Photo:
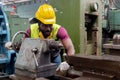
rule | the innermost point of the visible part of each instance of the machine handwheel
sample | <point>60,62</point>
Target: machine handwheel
<point>16,45</point>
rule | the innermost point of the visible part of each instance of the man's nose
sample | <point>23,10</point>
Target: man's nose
<point>48,28</point>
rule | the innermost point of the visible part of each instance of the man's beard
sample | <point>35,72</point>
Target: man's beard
<point>46,33</point>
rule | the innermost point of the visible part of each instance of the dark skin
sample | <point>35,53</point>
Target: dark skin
<point>46,29</point>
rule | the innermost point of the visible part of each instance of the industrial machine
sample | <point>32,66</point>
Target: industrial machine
<point>7,57</point>
<point>83,21</point>
<point>111,22</point>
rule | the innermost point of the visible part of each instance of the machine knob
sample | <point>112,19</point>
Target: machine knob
<point>35,50</point>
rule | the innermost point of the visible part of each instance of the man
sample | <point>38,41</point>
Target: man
<point>45,28</point>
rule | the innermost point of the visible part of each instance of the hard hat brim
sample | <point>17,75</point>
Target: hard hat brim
<point>48,21</point>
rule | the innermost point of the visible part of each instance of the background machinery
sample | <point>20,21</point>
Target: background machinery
<point>6,56</point>
<point>83,20</point>
<point>111,22</point>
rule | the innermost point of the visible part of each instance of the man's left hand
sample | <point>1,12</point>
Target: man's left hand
<point>64,66</point>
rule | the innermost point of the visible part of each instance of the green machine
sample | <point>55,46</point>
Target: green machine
<point>114,19</point>
<point>111,30</point>
<point>83,21</point>
<point>111,21</point>
<point>111,24</point>
<point>114,16</point>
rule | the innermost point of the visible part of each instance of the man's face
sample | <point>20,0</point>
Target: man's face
<point>46,29</point>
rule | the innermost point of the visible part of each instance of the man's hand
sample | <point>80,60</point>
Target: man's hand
<point>8,45</point>
<point>64,66</point>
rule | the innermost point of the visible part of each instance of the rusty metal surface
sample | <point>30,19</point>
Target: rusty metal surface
<point>111,46</point>
<point>114,52</point>
<point>18,77</point>
<point>104,65</point>
<point>112,49</point>
<point>87,78</point>
<point>58,77</point>
<point>98,75</point>
<point>42,71</point>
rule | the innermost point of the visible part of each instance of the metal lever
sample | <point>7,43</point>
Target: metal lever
<point>35,51</point>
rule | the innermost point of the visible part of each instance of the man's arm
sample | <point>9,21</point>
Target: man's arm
<point>28,31</point>
<point>66,41</point>
<point>68,45</point>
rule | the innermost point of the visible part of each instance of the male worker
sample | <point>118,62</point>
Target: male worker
<point>45,28</point>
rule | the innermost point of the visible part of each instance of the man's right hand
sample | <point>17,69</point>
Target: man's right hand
<point>8,45</point>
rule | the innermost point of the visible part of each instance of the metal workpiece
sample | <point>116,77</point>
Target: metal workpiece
<point>116,39</point>
<point>54,47</point>
<point>52,44</point>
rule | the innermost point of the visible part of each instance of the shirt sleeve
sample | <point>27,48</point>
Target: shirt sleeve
<point>28,31</point>
<point>62,33</point>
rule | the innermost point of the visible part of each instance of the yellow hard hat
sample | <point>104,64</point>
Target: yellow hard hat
<point>46,14</point>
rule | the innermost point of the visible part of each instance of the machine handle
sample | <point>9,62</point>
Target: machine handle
<point>35,51</point>
<point>13,39</point>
